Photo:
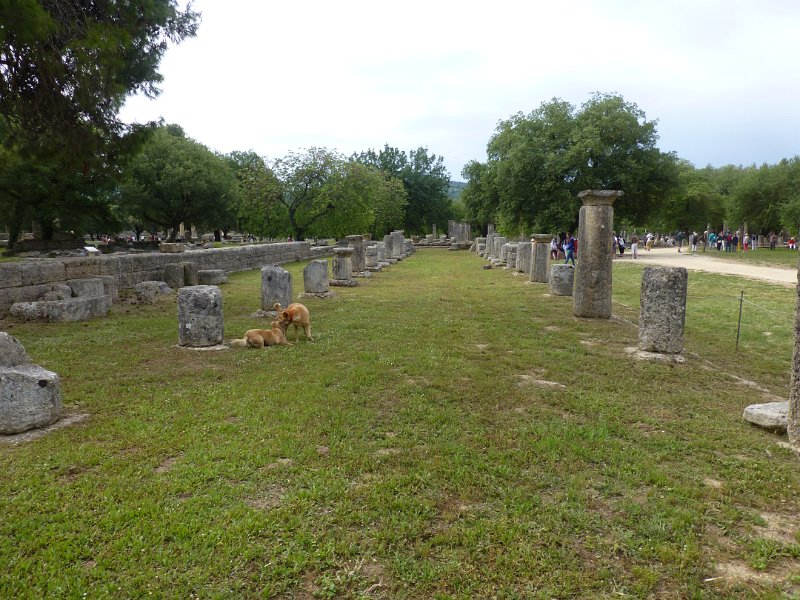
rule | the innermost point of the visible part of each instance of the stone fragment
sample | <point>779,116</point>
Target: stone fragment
<point>770,415</point>
<point>148,292</point>
<point>12,352</point>
<point>212,277</point>
<point>541,254</point>
<point>342,268</point>
<point>69,310</point>
<point>190,271</point>
<point>173,275</point>
<point>30,397</point>
<point>200,317</point>
<point>562,278</point>
<point>171,248</point>
<point>90,286</point>
<point>662,309</point>
<point>276,286</point>
<point>315,277</point>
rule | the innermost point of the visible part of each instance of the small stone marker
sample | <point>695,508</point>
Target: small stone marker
<point>200,318</point>
<point>315,278</point>
<point>276,286</point>
<point>662,309</point>
<point>343,268</point>
<point>541,254</point>
<point>562,278</point>
<point>356,242</point>
<point>30,396</point>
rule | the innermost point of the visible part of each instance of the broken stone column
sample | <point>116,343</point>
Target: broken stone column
<point>200,318</point>
<point>190,276</point>
<point>174,276</point>
<point>371,258</point>
<point>592,293</point>
<point>562,278</point>
<point>524,257</point>
<point>276,286</point>
<point>30,396</point>
<point>541,254</point>
<point>383,261</point>
<point>343,268</point>
<point>397,244</point>
<point>315,278</point>
<point>662,309</point>
<point>388,244</point>
<point>356,242</point>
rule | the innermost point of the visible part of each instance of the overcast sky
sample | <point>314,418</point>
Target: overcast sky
<point>720,77</point>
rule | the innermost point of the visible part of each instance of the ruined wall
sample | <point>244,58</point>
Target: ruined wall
<point>27,281</point>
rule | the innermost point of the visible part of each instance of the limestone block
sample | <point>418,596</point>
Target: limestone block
<point>562,278</point>
<point>110,287</point>
<point>30,397</point>
<point>79,268</point>
<point>212,277</point>
<point>173,275</point>
<point>171,248</point>
<point>148,292</point>
<point>10,275</point>
<point>315,277</point>
<point>276,286</point>
<point>86,287</point>
<point>189,273</point>
<point>12,352</point>
<point>34,273</point>
<point>539,258</point>
<point>770,415</point>
<point>62,311</point>
<point>662,309</point>
<point>200,317</point>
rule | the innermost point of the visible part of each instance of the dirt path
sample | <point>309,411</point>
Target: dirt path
<point>705,261</point>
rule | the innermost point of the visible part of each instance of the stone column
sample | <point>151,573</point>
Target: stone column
<point>382,254</point>
<point>315,278</point>
<point>541,254</point>
<point>371,258</point>
<point>524,257</point>
<point>276,286</point>
<point>793,423</point>
<point>662,309</point>
<point>397,244</point>
<point>356,242</point>
<point>200,318</point>
<point>562,278</point>
<point>343,268</point>
<point>592,293</point>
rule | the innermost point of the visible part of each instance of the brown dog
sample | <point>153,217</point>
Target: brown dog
<point>259,338</point>
<point>295,314</point>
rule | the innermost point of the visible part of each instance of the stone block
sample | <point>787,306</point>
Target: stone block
<point>148,292</point>
<point>562,278</point>
<point>189,273</point>
<point>30,397</point>
<point>662,309</point>
<point>171,248</point>
<point>62,311</point>
<point>200,316</point>
<point>38,272</point>
<point>173,275</point>
<point>770,415</point>
<point>12,352</point>
<point>315,277</point>
<point>276,286</point>
<point>88,287</point>
<point>212,277</point>
<point>10,275</point>
<point>80,268</point>
<point>110,287</point>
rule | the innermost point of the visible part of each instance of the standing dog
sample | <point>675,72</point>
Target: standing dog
<point>295,314</point>
<point>259,338</point>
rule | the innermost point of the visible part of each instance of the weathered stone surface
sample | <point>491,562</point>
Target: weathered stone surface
<point>356,242</point>
<point>190,273</point>
<point>173,275</point>
<point>62,311</point>
<point>148,292</point>
<point>276,286</point>
<point>541,255</point>
<point>12,352</point>
<point>200,316</point>
<point>30,397</point>
<point>662,309</point>
<point>211,277</point>
<point>343,268</point>
<point>562,279</point>
<point>315,277</point>
<point>592,292</point>
<point>770,415</point>
<point>524,257</point>
<point>171,248</point>
<point>88,287</point>
<point>44,271</point>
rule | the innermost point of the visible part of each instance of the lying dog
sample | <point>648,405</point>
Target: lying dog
<point>295,314</point>
<point>259,338</point>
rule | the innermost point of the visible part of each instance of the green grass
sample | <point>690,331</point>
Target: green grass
<point>409,451</point>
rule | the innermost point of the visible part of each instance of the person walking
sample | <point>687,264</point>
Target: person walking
<point>569,249</point>
<point>635,245</point>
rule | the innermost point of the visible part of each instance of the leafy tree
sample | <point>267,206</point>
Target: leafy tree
<point>765,198</point>
<point>425,180</point>
<point>695,202</point>
<point>538,163</point>
<point>175,180</point>
<point>65,69</point>
<point>258,206</point>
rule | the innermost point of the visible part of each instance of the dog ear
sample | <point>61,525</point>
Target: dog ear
<point>285,315</point>
<point>277,306</point>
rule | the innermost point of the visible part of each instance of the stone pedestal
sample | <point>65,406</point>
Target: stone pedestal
<point>592,292</point>
<point>397,244</point>
<point>276,286</point>
<point>200,318</point>
<point>343,268</point>
<point>356,242</point>
<point>315,277</point>
<point>171,248</point>
<point>190,271</point>
<point>371,258</point>
<point>30,396</point>
<point>541,254</point>
<point>562,278</point>
<point>663,309</point>
<point>524,257</point>
<point>174,276</point>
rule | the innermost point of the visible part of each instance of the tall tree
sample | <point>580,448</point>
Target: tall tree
<point>425,180</point>
<point>175,180</point>
<point>258,206</point>
<point>66,67</point>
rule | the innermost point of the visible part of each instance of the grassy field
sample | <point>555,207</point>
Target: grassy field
<point>453,432</point>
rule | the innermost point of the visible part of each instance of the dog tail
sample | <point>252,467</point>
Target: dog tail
<point>238,342</point>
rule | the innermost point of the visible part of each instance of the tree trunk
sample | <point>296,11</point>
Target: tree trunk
<point>173,234</point>
<point>217,235</point>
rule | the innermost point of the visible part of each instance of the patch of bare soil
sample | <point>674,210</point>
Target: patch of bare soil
<point>780,528</point>
<point>168,463</point>
<point>269,498</point>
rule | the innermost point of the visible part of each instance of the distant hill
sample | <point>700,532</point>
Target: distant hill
<point>456,187</point>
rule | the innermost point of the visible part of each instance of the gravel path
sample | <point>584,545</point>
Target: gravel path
<point>705,261</point>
